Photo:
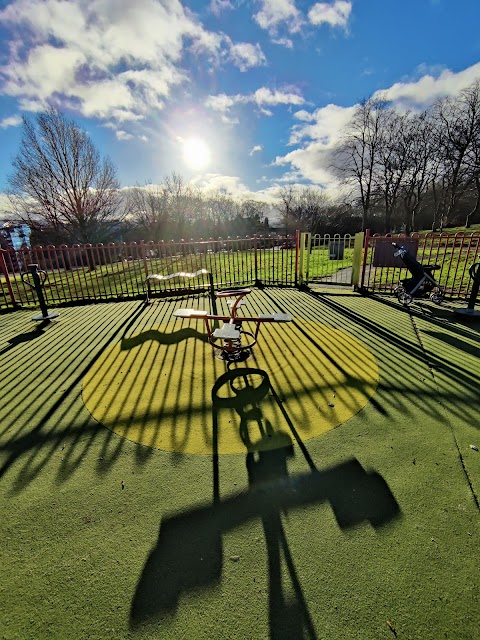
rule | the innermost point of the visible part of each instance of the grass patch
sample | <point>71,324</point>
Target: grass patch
<point>125,279</point>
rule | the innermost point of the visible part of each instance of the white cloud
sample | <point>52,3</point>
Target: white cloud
<point>262,98</point>
<point>421,93</point>
<point>103,98</point>
<point>69,54</point>
<point>231,185</point>
<point>266,96</point>
<point>220,102</point>
<point>218,6</point>
<point>276,13</point>
<point>424,69</point>
<point>304,115</point>
<point>34,106</point>
<point>317,134</point>
<point>246,55</point>
<point>153,86</point>
<point>47,70</point>
<point>284,42</point>
<point>6,210</point>
<point>123,135</point>
<point>10,121</point>
<point>311,162</point>
<point>335,14</point>
<point>123,115</point>
<point>257,147</point>
<point>324,124</point>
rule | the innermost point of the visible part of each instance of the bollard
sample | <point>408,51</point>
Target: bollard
<point>470,311</point>
<point>39,277</point>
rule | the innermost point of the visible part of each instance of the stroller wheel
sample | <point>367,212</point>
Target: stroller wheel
<point>404,297</point>
<point>437,295</point>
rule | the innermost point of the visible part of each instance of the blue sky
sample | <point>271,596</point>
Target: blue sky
<point>242,95</point>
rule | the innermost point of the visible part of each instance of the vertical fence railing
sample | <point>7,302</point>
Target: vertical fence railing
<point>326,259</point>
<point>116,271</point>
<point>7,297</point>
<point>453,254</point>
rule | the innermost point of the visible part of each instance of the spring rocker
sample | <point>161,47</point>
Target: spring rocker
<point>233,343</point>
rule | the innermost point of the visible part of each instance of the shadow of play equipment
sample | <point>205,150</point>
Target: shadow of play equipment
<point>188,554</point>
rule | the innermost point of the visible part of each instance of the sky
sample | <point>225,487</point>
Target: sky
<point>239,95</point>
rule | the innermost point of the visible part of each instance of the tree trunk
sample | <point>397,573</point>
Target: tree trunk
<point>471,213</point>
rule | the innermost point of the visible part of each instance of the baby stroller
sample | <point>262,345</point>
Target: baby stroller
<point>421,284</point>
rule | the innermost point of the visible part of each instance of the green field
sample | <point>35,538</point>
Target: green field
<point>126,279</point>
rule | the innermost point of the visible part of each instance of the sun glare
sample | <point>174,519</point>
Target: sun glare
<point>196,153</point>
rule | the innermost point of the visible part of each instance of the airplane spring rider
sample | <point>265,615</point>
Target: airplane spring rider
<point>233,343</point>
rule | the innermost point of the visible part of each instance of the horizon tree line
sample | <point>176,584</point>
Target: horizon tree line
<point>399,171</point>
<point>413,166</point>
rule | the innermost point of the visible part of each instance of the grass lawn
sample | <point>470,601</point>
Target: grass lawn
<point>368,531</point>
<point>450,230</point>
<point>126,279</point>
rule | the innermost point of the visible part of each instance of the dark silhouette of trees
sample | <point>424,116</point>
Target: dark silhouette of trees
<point>357,156</point>
<point>176,210</point>
<point>398,164</point>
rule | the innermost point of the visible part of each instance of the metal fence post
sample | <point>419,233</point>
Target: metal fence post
<point>144,257</point>
<point>357,259</point>
<point>301,259</point>
<point>3,267</point>
<point>365,253</point>
<point>308,249</point>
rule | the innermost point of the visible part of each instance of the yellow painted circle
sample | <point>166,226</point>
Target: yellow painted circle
<point>167,389</point>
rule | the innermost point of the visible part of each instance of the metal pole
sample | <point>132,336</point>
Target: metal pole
<point>38,286</point>
<point>470,310</point>
<point>3,268</point>
<point>365,252</point>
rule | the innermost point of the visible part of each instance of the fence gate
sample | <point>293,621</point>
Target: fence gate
<point>327,259</point>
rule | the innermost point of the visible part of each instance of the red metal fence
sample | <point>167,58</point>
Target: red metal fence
<point>454,254</point>
<point>118,271</point>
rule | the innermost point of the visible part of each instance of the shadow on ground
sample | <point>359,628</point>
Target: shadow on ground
<point>189,551</point>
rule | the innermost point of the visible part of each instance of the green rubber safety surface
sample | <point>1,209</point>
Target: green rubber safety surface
<point>166,388</point>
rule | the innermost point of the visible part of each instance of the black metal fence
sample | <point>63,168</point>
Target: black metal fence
<point>116,271</point>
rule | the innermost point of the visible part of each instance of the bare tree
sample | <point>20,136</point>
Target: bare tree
<point>149,210</point>
<point>59,180</point>
<point>473,169</point>
<point>253,216</point>
<point>420,164</point>
<point>184,202</point>
<point>393,157</point>
<point>286,205</point>
<point>457,141</point>
<point>355,159</point>
<point>219,208</point>
<point>305,208</point>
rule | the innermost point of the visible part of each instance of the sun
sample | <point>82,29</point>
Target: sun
<point>196,153</point>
